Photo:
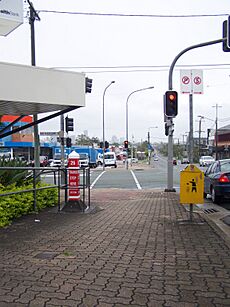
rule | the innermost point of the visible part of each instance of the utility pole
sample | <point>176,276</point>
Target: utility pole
<point>216,134</point>
<point>149,151</point>
<point>34,16</point>
<point>170,123</point>
<point>62,142</point>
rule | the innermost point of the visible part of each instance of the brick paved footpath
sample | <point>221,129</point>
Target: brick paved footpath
<point>134,251</point>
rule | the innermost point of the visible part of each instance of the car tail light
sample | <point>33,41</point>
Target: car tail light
<point>224,178</point>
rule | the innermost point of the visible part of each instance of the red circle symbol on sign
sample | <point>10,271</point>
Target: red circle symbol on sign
<point>185,80</point>
<point>197,80</point>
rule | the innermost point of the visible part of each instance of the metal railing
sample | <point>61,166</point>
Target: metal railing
<point>58,173</point>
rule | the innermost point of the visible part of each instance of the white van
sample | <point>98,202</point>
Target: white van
<point>110,159</point>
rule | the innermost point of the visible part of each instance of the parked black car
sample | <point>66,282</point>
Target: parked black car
<point>217,180</point>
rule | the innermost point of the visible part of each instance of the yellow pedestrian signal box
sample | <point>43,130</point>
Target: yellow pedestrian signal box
<point>191,185</point>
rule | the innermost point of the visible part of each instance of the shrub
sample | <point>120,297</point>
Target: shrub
<point>16,205</point>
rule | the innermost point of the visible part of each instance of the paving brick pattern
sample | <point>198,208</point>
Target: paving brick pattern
<point>134,251</point>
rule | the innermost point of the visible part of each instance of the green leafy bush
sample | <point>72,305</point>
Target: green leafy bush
<point>16,176</point>
<point>16,205</point>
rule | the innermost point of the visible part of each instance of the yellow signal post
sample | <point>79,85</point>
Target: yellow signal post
<point>191,186</point>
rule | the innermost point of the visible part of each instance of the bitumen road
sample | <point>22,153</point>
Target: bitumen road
<point>130,248</point>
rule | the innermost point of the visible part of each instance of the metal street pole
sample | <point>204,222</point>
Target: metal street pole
<point>127,117</point>
<point>170,121</point>
<point>34,16</point>
<point>62,142</point>
<point>191,143</point>
<point>103,122</point>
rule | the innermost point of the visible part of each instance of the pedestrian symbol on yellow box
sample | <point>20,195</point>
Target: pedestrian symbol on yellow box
<point>192,185</point>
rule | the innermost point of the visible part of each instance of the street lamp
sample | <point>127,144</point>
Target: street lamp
<point>127,126</point>
<point>103,122</point>
<point>149,149</point>
<point>216,124</point>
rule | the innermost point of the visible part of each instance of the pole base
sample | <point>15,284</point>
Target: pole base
<point>170,190</point>
<point>74,206</point>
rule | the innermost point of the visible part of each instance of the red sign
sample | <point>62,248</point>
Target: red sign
<point>74,176</point>
<point>197,80</point>
<point>186,80</point>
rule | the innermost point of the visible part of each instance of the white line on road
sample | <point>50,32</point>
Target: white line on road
<point>98,177</point>
<point>136,181</point>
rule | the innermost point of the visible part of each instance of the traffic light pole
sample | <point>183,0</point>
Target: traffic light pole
<point>62,126</point>
<point>34,16</point>
<point>191,143</point>
<point>170,87</point>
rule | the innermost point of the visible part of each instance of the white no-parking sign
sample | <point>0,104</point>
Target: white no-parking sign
<point>191,81</point>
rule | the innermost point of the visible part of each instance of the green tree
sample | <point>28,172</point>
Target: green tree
<point>143,146</point>
<point>82,139</point>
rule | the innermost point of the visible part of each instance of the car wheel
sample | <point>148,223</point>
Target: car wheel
<point>115,165</point>
<point>215,199</point>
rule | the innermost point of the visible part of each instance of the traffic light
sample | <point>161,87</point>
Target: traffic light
<point>166,129</point>
<point>68,124</point>
<point>226,34</point>
<point>106,144</point>
<point>126,144</point>
<point>171,103</point>
<point>68,142</point>
<point>88,85</point>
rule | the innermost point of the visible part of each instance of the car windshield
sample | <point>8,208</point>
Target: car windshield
<point>225,166</point>
<point>208,158</point>
<point>109,156</point>
<point>83,156</point>
<point>58,157</point>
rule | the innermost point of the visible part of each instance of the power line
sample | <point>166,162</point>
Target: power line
<point>145,66</point>
<point>133,69</point>
<point>133,15</point>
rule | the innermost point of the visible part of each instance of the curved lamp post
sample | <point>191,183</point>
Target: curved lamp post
<point>103,122</point>
<point>127,118</point>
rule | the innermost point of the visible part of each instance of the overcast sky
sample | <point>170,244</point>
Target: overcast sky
<point>78,41</point>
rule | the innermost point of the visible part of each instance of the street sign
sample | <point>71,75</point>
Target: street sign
<point>191,81</point>
<point>191,185</point>
<point>49,133</point>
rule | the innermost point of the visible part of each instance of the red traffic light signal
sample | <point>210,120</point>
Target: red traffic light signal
<point>171,103</point>
<point>126,144</point>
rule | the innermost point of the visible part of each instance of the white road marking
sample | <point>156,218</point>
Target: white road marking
<point>136,181</point>
<point>98,177</point>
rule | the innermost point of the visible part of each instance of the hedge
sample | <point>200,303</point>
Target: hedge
<point>16,205</point>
